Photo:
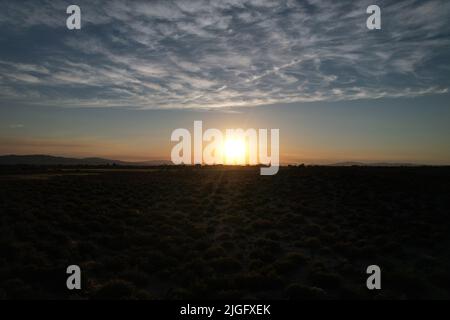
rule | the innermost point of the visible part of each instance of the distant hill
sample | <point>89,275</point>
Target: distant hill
<point>373,164</point>
<point>46,160</point>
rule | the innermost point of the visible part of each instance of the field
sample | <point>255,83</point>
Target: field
<point>212,233</point>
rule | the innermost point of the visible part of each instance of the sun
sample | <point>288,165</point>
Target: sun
<point>234,151</point>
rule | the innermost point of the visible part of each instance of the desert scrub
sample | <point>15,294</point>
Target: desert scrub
<point>115,289</point>
<point>312,242</point>
<point>265,256</point>
<point>268,245</point>
<point>226,265</point>
<point>290,262</point>
<point>326,280</point>
<point>261,224</point>
<point>137,277</point>
<point>297,291</point>
<point>214,252</point>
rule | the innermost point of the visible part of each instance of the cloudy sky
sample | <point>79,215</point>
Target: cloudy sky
<point>226,61</point>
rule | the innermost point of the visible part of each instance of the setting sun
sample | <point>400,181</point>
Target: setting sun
<point>234,150</point>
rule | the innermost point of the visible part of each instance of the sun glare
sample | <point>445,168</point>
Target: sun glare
<point>234,150</point>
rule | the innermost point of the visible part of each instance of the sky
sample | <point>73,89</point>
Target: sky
<point>137,70</point>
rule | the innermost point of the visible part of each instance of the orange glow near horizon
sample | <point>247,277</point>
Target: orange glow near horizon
<point>234,151</point>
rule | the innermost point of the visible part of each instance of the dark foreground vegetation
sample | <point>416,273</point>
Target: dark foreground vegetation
<point>174,232</point>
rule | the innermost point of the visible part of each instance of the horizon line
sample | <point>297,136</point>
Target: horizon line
<point>284,163</point>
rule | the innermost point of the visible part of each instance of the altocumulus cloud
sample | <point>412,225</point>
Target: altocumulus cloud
<point>227,53</point>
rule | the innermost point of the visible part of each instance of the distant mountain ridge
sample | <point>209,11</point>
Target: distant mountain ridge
<point>373,164</point>
<point>46,160</point>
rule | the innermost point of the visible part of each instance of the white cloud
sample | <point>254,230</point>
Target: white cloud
<point>213,54</point>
